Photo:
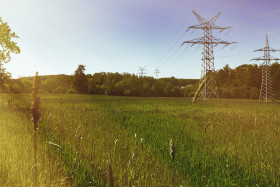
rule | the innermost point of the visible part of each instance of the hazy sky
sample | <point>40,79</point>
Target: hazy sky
<point>120,35</point>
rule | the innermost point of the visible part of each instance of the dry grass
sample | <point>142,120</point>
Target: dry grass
<point>16,150</point>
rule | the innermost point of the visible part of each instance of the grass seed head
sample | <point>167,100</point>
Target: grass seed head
<point>171,149</point>
<point>35,108</point>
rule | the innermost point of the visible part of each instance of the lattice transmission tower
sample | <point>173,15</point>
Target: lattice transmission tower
<point>157,72</point>
<point>142,71</point>
<point>266,86</point>
<point>208,41</point>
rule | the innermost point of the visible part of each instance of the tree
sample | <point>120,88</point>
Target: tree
<point>4,76</point>
<point>167,89</point>
<point>7,47</point>
<point>254,93</point>
<point>80,82</point>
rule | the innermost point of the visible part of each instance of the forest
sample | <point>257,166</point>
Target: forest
<point>241,82</point>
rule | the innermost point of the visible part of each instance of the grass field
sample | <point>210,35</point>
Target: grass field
<point>100,140</point>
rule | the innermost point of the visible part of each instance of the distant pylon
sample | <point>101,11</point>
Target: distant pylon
<point>209,42</point>
<point>142,71</point>
<point>157,72</point>
<point>266,86</point>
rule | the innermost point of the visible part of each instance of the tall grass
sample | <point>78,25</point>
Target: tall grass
<point>36,114</point>
<point>221,143</point>
<point>126,141</point>
<point>115,156</point>
<point>16,150</point>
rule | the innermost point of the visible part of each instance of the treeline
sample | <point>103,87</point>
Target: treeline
<point>245,81</point>
<point>241,82</point>
<point>106,84</point>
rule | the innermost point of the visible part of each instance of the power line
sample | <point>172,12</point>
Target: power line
<point>169,57</point>
<point>256,18</point>
<point>236,6</point>
<point>162,59</point>
<point>177,58</point>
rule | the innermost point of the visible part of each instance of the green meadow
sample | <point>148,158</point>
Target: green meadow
<point>86,140</point>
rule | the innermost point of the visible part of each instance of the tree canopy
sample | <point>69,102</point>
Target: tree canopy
<point>7,47</point>
<point>80,83</point>
<point>241,82</point>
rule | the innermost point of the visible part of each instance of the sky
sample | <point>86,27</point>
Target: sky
<point>55,36</point>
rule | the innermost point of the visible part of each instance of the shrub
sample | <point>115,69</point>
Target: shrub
<point>71,91</point>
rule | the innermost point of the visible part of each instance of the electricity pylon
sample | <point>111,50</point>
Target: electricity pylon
<point>157,72</point>
<point>209,42</point>
<point>266,86</point>
<point>141,71</point>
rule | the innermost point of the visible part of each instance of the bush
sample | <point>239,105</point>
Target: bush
<point>71,91</point>
<point>254,93</point>
<point>60,90</point>
<point>127,92</point>
<point>188,90</point>
<point>191,94</point>
<point>15,88</point>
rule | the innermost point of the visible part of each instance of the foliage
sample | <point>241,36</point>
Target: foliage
<point>242,82</point>
<point>70,91</point>
<point>4,76</point>
<point>80,82</point>
<point>245,81</point>
<point>60,90</point>
<point>7,47</point>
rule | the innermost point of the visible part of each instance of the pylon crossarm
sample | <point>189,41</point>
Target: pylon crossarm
<point>195,27</point>
<point>214,41</point>
<point>263,58</point>
<point>273,58</point>
<point>223,43</point>
<point>193,42</point>
<point>267,49</point>
<point>217,40</point>
<point>257,59</point>
<point>199,18</point>
<point>205,26</point>
<point>220,28</point>
<point>214,19</point>
<point>226,28</point>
